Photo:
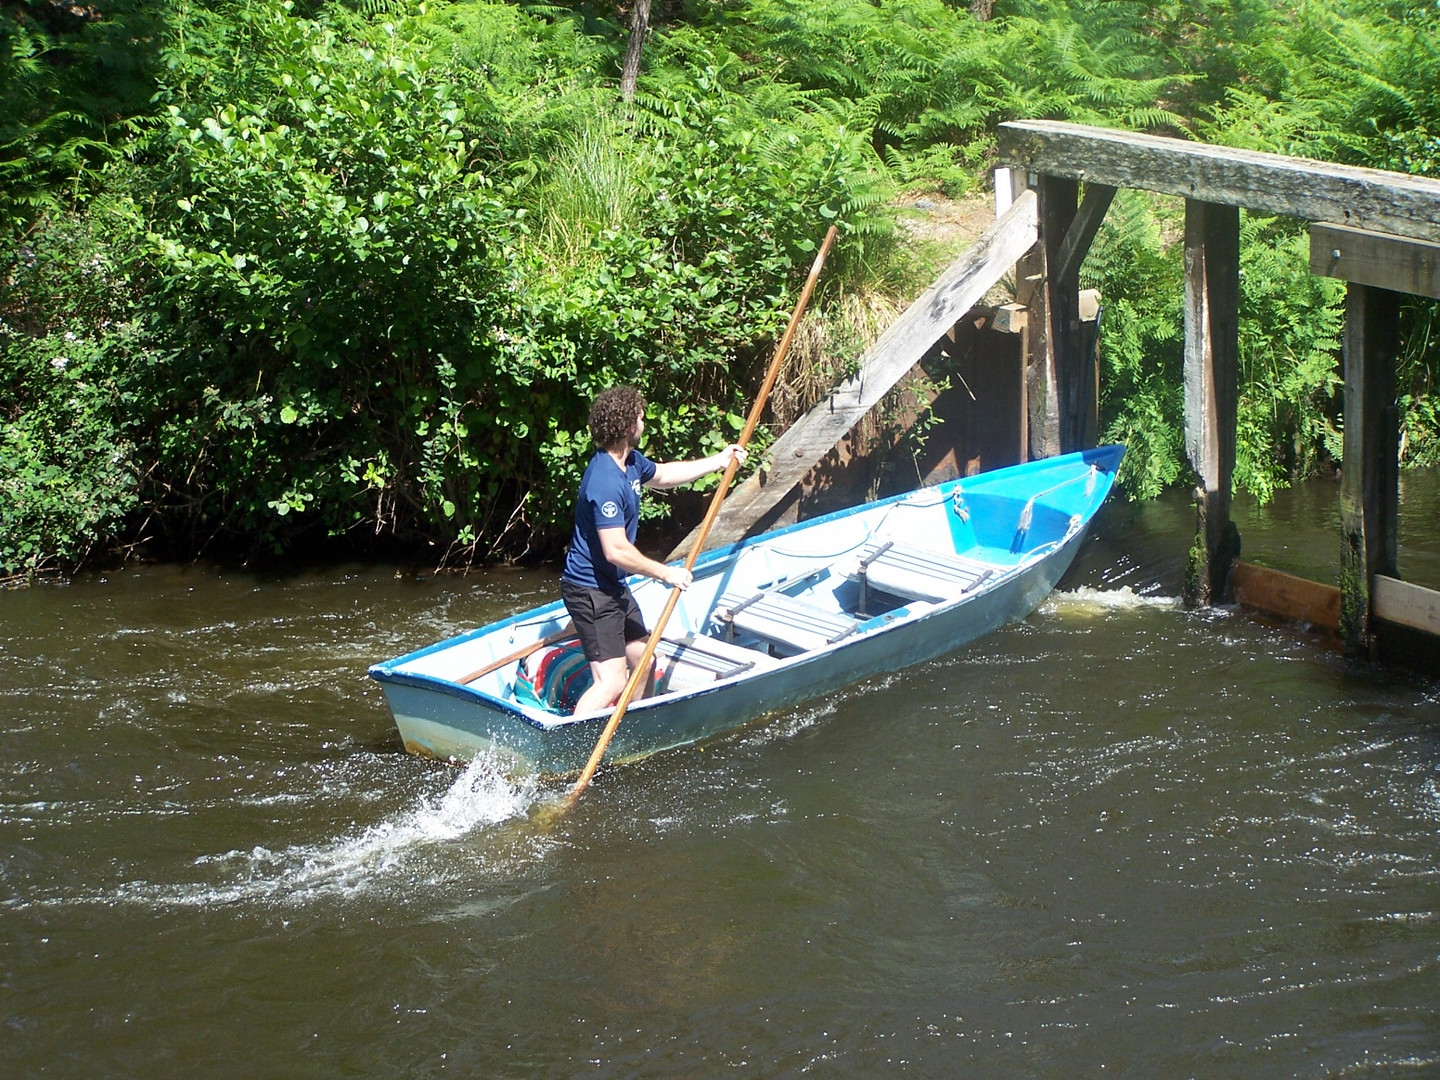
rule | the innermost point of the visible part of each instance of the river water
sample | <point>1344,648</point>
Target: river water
<point>1118,839</point>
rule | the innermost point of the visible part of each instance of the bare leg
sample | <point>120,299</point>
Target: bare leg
<point>609,680</point>
<point>634,650</point>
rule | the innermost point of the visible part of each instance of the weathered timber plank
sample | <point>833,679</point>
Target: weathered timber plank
<point>1405,604</point>
<point>1212,321</point>
<point>1366,258</point>
<point>897,350</point>
<point>1371,199</point>
<point>1042,420</point>
<point>1067,227</point>
<point>1286,596</point>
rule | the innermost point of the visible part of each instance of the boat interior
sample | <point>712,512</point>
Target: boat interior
<point>808,589</point>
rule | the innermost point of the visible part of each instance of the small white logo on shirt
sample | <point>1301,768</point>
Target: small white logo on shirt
<point>609,510</point>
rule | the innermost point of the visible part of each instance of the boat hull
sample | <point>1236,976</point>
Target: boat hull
<point>453,722</point>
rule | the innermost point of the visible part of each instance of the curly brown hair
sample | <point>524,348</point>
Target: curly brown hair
<point>613,415</point>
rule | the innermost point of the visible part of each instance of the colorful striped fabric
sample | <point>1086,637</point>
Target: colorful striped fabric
<point>554,678</point>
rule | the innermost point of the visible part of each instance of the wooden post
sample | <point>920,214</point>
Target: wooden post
<point>1054,304</point>
<point>1030,297</point>
<point>1212,318</point>
<point>1369,489</point>
<point>1067,228</point>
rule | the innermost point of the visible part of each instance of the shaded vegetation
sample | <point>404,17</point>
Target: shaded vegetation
<point>274,274</point>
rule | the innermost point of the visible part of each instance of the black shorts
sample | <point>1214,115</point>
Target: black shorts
<point>606,623</point>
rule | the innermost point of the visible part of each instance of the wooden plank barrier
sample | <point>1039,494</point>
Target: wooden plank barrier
<point>1286,596</point>
<point>1405,604</point>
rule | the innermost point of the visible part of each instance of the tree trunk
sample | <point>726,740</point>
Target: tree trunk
<point>981,9</point>
<point>639,27</point>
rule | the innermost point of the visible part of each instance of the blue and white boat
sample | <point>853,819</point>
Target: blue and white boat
<point>769,622</point>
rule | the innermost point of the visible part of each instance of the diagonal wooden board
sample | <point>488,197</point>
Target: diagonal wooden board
<point>884,364</point>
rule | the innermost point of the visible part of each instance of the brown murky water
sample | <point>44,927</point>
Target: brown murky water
<point>1118,839</point>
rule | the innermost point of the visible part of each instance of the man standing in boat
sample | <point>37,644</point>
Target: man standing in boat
<point>602,550</point>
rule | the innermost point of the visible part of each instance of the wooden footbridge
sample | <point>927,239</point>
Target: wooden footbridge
<point>1377,231</point>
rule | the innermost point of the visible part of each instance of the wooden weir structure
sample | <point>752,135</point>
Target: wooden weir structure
<point>1377,231</point>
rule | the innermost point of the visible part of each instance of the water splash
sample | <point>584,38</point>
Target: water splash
<point>1089,602</point>
<point>417,843</point>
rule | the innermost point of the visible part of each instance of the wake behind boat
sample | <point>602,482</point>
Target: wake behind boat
<point>769,622</point>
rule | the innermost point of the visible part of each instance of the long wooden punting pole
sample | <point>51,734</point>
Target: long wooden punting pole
<point>643,667</point>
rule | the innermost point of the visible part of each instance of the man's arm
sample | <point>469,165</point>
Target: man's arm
<point>669,474</point>
<point>625,556</point>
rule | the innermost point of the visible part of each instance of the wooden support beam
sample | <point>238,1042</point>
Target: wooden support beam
<point>1366,258</point>
<point>1369,481</point>
<point>1042,421</point>
<point>898,350</point>
<point>1081,234</point>
<point>1285,596</point>
<point>1404,604</point>
<point>1066,234</point>
<point>1212,322</point>
<point>1383,202</point>
<point>1064,363</point>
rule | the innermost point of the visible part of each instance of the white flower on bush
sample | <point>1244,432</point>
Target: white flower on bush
<point>59,362</point>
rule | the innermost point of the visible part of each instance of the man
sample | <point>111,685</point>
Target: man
<point>602,549</point>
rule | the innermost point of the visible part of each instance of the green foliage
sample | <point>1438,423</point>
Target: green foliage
<point>1141,346</point>
<point>1418,380</point>
<point>67,475</point>
<point>1289,339</point>
<point>356,268</point>
<point>69,466</point>
<point>363,332</point>
<point>1290,329</point>
<point>290,245</point>
<point>922,74</point>
<point>683,302</point>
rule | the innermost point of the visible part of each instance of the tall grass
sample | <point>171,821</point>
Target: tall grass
<point>597,180</point>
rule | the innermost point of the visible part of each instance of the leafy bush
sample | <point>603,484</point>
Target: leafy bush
<point>333,269</point>
<point>366,337</point>
<point>1291,324</point>
<point>1142,342</point>
<point>69,461</point>
<point>684,306</point>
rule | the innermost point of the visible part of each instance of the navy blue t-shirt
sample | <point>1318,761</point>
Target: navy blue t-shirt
<point>608,499</point>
